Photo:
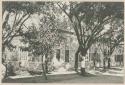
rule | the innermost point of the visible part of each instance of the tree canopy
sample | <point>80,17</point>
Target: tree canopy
<point>89,19</point>
<point>14,15</point>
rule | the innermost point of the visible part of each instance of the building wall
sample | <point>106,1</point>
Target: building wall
<point>71,45</point>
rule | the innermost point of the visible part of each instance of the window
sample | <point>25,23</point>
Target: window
<point>58,54</point>
<point>33,58</point>
<point>66,55</point>
<point>119,58</point>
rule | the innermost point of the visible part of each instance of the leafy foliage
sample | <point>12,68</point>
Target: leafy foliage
<point>115,35</point>
<point>15,14</point>
<point>42,39</point>
<point>89,18</point>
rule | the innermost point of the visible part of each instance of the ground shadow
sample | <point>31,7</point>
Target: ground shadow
<point>51,78</point>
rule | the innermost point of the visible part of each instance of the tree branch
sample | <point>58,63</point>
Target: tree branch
<point>63,10</point>
<point>12,36</point>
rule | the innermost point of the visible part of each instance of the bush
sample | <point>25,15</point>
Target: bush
<point>10,69</point>
<point>35,68</point>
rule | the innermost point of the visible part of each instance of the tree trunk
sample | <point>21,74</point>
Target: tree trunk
<point>4,60</point>
<point>46,66</point>
<point>76,60</point>
<point>94,63</point>
<point>43,68</point>
<point>44,72</point>
<point>83,52</point>
<point>104,67</point>
<point>109,61</point>
<point>46,63</point>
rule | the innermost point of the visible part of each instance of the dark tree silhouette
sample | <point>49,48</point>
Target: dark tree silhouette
<point>88,20</point>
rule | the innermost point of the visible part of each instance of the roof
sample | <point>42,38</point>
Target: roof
<point>65,31</point>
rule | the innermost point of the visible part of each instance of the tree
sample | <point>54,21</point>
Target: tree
<point>41,40</point>
<point>12,27</point>
<point>95,58</point>
<point>14,15</point>
<point>114,37</point>
<point>88,20</point>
